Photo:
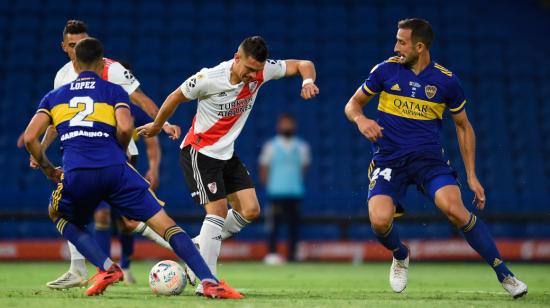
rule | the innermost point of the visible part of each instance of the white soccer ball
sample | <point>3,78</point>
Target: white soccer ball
<point>167,278</point>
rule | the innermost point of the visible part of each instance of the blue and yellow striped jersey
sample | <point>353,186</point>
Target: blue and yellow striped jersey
<point>83,113</point>
<point>411,106</point>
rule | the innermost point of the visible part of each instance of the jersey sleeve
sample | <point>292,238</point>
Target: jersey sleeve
<point>44,105</point>
<point>195,86</point>
<point>266,153</point>
<point>456,100</point>
<point>274,69</point>
<point>120,98</point>
<point>120,75</point>
<point>374,83</point>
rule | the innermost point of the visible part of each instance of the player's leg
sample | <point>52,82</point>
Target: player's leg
<point>136,201</point>
<point>139,227</point>
<point>386,186</point>
<point>204,178</point>
<point>102,234</point>
<point>186,250</point>
<point>244,209</point>
<point>71,209</point>
<point>448,199</point>
<point>241,194</point>
<point>77,275</point>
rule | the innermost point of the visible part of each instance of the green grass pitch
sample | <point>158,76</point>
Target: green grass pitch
<point>297,285</point>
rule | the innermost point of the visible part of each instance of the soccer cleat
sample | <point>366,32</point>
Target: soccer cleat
<point>67,281</point>
<point>220,290</point>
<point>399,274</point>
<point>191,277</point>
<point>104,279</point>
<point>129,278</point>
<point>514,286</point>
<point>199,291</point>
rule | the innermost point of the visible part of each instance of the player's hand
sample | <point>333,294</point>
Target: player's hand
<point>33,163</point>
<point>369,128</point>
<point>173,131</point>
<point>148,130</point>
<point>53,174</point>
<point>153,177</point>
<point>21,141</point>
<point>309,91</point>
<point>475,186</point>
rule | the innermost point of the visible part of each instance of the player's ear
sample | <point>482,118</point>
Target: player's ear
<point>63,46</point>
<point>237,56</point>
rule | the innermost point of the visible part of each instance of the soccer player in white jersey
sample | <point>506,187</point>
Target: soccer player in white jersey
<point>74,31</point>
<point>213,172</point>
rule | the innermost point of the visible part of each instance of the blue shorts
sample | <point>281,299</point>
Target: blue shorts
<point>428,170</point>
<point>121,186</point>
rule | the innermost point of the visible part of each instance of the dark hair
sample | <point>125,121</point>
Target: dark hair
<point>74,26</point>
<point>256,47</point>
<point>421,30</point>
<point>88,51</point>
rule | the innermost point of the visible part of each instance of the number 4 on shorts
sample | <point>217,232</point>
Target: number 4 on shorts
<point>386,173</point>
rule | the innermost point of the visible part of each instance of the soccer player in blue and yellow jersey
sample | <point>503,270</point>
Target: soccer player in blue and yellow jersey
<point>414,93</point>
<point>95,126</point>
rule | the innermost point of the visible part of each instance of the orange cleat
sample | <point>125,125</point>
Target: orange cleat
<point>103,279</point>
<point>220,290</point>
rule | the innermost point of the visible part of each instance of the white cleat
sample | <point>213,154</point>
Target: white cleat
<point>129,278</point>
<point>199,291</point>
<point>67,281</point>
<point>514,286</point>
<point>399,274</point>
<point>191,277</point>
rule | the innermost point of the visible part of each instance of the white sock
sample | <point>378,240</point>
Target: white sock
<point>210,240</point>
<point>144,230</point>
<point>234,222</point>
<point>78,262</point>
<point>107,264</point>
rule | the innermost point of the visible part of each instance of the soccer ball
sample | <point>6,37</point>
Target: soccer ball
<point>167,278</point>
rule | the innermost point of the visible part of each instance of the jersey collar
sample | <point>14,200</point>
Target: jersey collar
<point>88,74</point>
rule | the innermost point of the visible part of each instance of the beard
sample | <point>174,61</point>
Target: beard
<point>409,61</point>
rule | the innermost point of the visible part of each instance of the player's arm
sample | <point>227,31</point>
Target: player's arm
<point>467,142</point>
<point>166,111</point>
<point>37,126</point>
<point>146,103</point>
<point>154,156</point>
<point>306,69</point>
<point>47,140</point>
<point>124,126</point>
<point>354,112</point>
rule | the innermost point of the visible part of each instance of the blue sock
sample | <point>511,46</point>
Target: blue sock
<point>477,235</point>
<point>390,240</point>
<point>186,250</point>
<point>103,237</point>
<point>84,242</point>
<point>127,249</point>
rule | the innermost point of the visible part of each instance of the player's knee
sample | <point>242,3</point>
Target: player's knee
<point>128,225</point>
<point>102,217</point>
<point>251,213</point>
<point>380,224</point>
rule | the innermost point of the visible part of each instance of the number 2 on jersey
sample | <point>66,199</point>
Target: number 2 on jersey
<point>386,173</point>
<point>78,119</point>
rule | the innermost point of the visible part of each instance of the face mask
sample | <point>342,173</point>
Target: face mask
<point>287,133</point>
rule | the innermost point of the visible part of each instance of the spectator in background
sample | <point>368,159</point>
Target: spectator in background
<point>283,162</point>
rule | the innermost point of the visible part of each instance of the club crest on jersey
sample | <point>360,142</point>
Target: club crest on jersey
<point>213,187</point>
<point>252,86</point>
<point>372,184</point>
<point>430,91</point>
